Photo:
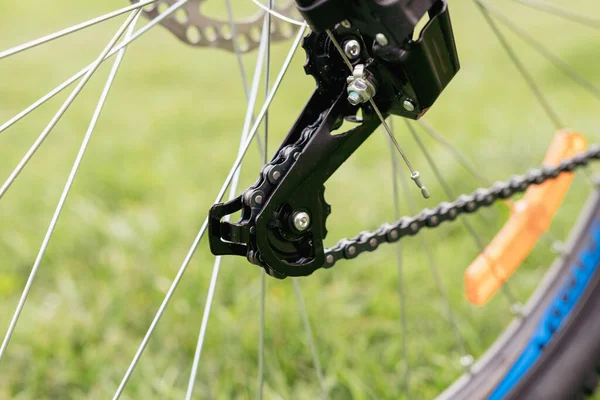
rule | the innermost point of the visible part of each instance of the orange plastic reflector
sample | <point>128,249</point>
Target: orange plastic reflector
<point>530,218</point>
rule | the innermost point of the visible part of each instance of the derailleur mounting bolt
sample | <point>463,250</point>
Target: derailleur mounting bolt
<point>409,105</point>
<point>301,221</point>
<point>352,49</point>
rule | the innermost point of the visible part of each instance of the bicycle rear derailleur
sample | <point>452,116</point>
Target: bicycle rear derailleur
<point>283,214</point>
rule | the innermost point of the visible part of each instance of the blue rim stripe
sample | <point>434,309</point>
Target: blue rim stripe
<point>556,313</point>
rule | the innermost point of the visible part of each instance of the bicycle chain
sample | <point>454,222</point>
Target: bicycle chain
<point>369,241</point>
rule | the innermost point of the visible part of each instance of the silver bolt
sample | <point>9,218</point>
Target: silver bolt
<point>352,49</point>
<point>329,259</point>
<point>346,24</point>
<point>394,234</point>
<point>361,87</point>
<point>258,199</point>
<point>276,175</point>
<point>354,98</point>
<point>373,242</point>
<point>301,221</point>
<point>381,39</point>
<point>351,250</point>
<point>408,105</point>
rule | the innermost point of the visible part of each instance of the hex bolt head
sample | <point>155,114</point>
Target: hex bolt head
<point>301,221</point>
<point>409,105</point>
<point>352,49</point>
<point>381,39</point>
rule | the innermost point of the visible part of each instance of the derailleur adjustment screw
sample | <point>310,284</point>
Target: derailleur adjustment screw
<point>361,86</point>
<point>409,105</point>
<point>254,198</point>
<point>416,176</point>
<point>352,49</point>
<point>381,39</point>
<point>301,221</point>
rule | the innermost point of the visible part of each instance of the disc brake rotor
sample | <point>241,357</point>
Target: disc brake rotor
<point>193,27</point>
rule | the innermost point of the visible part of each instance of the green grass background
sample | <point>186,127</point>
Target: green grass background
<point>164,144</point>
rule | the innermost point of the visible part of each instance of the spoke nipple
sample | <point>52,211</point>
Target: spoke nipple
<point>517,309</point>
<point>467,361</point>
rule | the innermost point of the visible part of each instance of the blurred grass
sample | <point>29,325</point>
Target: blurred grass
<point>164,144</point>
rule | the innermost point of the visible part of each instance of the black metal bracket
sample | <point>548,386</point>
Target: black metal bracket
<point>414,74</point>
<point>396,19</point>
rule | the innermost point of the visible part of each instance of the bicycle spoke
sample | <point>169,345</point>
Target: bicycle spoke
<point>435,270</point>
<point>550,112</point>
<point>238,56</point>
<point>217,264</point>
<point>263,273</point>
<point>81,73</point>
<point>270,10</point>
<point>310,337</point>
<point>63,109</point>
<point>202,230</point>
<point>67,188</point>
<point>544,51</point>
<point>458,156</point>
<point>73,29</point>
<point>451,196</point>
<point>401,291</point>
<point>561,12</point>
